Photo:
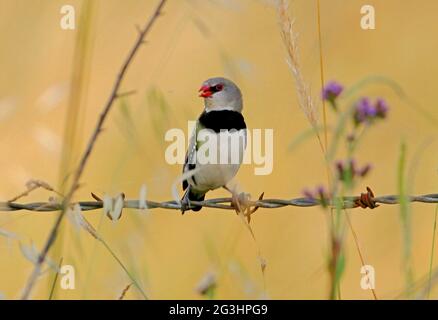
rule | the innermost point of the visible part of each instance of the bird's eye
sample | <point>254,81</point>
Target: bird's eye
<point>219,87</point>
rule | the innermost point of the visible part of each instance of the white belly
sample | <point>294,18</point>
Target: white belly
<point>213,176</point>
<point>229,153</point>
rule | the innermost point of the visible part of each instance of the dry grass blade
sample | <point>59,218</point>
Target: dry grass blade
<point>290,39</point>
<point>79,220</point>
<point>52,289</point>
<point>123,294</point>
<point>33,185</point>
<point>359,250</point>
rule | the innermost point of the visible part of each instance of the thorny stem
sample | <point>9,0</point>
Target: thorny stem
<point>86,155</point>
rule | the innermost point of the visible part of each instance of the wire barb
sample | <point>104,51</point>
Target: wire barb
<point>366,200</point>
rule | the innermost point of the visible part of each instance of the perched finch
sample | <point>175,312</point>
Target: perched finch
<point>223,127</point>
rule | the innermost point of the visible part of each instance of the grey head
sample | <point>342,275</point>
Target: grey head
<point>221,94</point>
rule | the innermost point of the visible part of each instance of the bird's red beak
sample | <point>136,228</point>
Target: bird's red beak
<point>205,91</point>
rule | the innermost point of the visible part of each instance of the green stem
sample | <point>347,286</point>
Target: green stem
<point>432,253</point>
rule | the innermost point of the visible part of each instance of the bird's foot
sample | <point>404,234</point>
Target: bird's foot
<point>240,203</point>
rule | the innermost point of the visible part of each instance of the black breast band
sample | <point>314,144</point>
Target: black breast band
<point>222,120</point>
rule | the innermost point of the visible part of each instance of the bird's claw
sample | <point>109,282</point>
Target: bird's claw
<point>242,203</point>
<point>250,211</point>
<point>239,201</point>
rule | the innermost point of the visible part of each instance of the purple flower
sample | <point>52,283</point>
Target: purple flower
<point>331,91</point>
<point>348,170</point>
<point>320,194</point>
<point>364,170</point>
<point>309,195</point>
<point>365,111</point>
<point>381,108</point>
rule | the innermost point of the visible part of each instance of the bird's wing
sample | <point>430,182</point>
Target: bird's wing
<point>190,161</point>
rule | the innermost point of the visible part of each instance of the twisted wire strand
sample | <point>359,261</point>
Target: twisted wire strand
<point>224,203</point>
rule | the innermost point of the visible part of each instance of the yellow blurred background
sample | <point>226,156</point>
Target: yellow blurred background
<point>194,40</point>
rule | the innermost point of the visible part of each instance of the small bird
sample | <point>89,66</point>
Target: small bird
<point>221,117</point>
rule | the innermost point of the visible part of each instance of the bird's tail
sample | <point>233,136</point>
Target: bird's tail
<point>191,195</point>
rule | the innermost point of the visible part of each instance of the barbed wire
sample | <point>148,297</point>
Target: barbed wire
<point>365,200</point>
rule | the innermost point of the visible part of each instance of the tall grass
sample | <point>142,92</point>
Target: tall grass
<point>290,39</point>
<point>432,250</point>
<point>337,225</point>
<point>406,221</point>
<point>78,90</point>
